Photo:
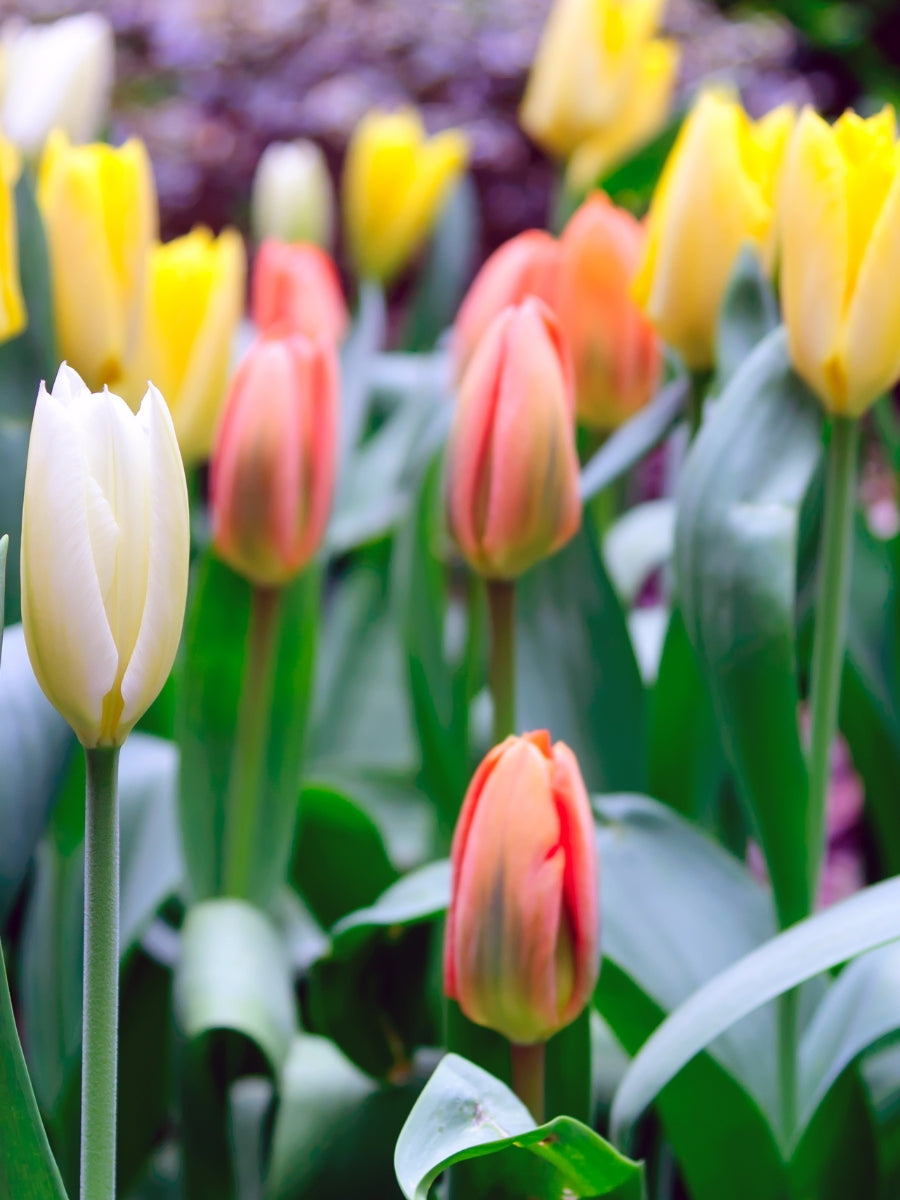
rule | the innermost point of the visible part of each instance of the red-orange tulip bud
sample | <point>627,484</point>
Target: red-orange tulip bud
<point>512,470</point>
<point>522,944</point>
<point>273,466</point>
<point>614,347</point>
<point>296,287</point>
<point>527,265</point>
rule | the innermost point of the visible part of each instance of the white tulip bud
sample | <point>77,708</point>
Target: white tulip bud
<point>293,197</point>
<point>105,546</point>
<point>56,76</point>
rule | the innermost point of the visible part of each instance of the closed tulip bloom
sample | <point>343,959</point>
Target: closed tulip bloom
<point>74,61</point>
<point>99,208</point>
<point>293,198</point>
<point>522,941</point>
<point>297,287</point>
<point>13,317</point>
<point>395,183</point>
<point>273,466</point>
<point>105,545</point>
<point>512,469</point>
<point>527,265</point>
<point>717,191</point>
<point>840,257</point>
<point>614,347</point>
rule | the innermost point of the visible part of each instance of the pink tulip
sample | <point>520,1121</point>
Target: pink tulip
<point>296,288</point>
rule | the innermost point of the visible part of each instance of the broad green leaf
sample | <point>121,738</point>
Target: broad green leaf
<point>735,551</point>
<point>27,1167</point>
<point>4,547</point>
<point>419,896</point>
<point>362,344</point>
<point>211,686</point>
<point>749,312</point>
<point>464,1113</point>
<point>632,183</point>
<point>864,922</point>
<point>249,1105</point>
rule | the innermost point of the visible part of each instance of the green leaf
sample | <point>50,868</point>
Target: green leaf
<point>365,339</point>
<point>27,1167</point>
<point>4,547</point>
<point>735,552</point>
<point>14,432</point>
<point>749,312</point>
<point>632,184</point>
<point>865,921</point>
<point>419,896</point>
<point>464,1113</point>
<point>639,543</point>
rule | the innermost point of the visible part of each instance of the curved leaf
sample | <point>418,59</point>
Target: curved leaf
<point>749,312</point>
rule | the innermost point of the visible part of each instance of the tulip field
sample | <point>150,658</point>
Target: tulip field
<point>450,659</point>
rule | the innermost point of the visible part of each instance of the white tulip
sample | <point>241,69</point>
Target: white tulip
<point>105,544</point>
<point>293,197</point>
<point>56,76</point>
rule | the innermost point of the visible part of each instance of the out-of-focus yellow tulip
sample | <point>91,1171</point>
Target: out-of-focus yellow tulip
<point>105,547</point>
<point>716,192</point>
<point>194,301</point>
<point>12,304</point>
<point>395,182</point>
<point>840,257</point>
<point>601,84</point>
<point>99,210</point>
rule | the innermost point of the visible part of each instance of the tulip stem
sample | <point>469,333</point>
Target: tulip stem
<point>251,742</point>
<point>528,1077</point>
<point>700,381</point>
<point>502,669</point>
<point>100,1016</point>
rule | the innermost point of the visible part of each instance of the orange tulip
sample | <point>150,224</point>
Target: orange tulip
<point>526,265</point>
<point>512,470</point>
<point>615,349</point>
<point>522,943</point>
<point>273,465</point>
<point>297,287</point>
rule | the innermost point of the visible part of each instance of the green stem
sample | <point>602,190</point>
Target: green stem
<point>787,1059</point>
<point>700,381</point>
<point>251,742</point>
<point>502,672</point>
<point>528,1077</point>
<point>100,1019</point>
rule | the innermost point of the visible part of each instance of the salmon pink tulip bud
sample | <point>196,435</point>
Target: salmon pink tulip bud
<point>512,469</point>
<point>522,944</point>
<point>527,265</point>
<point>614,347</point>
<point>297,287</point>
<point>273,465</point>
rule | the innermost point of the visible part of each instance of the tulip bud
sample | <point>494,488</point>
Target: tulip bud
<point>273,466</point>
<point>601,84</point>
<point>522,941</point>
<point>716,192</point>
<point>13,317</point>
<point>395,183</point>
<point>298,288</point>
<point>105,545</point>
<point>56,76</point>
<point>293,198</point>
<point>512,469</point>
<point>194,301</point>
<point>614,347</point>
<point>527,265</point>
<point>840,257</point>
<point>99,210</point>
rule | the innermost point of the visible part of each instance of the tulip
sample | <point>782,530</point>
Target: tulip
<point>512,469</point>
<point>56,76</point>
<point>293,198</point>
<point>13,317</point>
<point>614,347</point>
<point>601,84</point>
<point>522,941</point>
<point>105,544</point>
<point>298,288</point>
<point>716,192</point>
<point>395,183</point>
<point>99,210</point>
<point>273,466</point>
<point>194,301</point>
<point>840,257</point>
<point>527,265</point>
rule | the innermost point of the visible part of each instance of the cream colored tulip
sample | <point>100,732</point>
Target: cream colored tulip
<point>105,545</point>
<point>293,197</point>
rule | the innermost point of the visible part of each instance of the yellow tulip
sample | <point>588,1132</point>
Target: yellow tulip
<point>716,192</point>
<point>12,303</point>
<point>601,84</point>
<point>99,210</point>
<point>194,302</point>
<point>840,257</point>
<point>395,182</point>
<point>105,547</point>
